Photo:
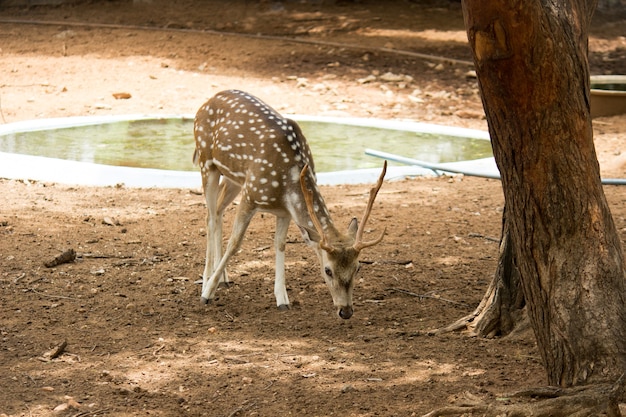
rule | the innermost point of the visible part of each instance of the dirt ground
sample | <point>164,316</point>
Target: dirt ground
<point>138,340</point>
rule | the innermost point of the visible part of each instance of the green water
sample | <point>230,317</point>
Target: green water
<point>609,87</point>
<point>337,147</point>
<point>168,144</point>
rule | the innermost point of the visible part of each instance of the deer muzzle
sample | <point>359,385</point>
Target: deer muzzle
<point>345,312</point>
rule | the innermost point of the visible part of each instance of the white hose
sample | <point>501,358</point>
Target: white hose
<point>441,168</point>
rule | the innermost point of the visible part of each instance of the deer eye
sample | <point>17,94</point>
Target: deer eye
<point>328,272</point>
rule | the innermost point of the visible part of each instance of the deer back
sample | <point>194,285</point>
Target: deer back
<point>252,145</point>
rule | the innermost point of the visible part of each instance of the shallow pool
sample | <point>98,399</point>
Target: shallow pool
<point>167,143</point>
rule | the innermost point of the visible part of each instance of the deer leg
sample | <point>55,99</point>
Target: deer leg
<point>280,239</point>
<point>211,183</point>
<point>228,192</point>
<point>244,214</point>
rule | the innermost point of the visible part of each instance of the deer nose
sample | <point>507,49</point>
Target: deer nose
<point>345,312</point>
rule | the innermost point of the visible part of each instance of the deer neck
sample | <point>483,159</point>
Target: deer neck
<point>296,206</point>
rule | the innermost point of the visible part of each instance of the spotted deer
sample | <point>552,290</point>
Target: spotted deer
<point>244,146</point>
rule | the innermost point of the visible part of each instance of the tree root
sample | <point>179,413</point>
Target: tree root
<point>501,311</point>
<point>582,401</point>
<point>479,315</point>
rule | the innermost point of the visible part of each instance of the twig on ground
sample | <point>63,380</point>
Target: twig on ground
<point>90,413</point>
<point>480,235</point>
<point>412,294</point>
<point>102,256</point>
<point>58,351</point>
<point>388,261</point>
<point>243,407</point>
<point>52,295</point>
<point>64,258</point>
<point>25,85</point>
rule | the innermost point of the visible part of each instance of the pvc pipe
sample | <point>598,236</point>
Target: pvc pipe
<point>439,168</point>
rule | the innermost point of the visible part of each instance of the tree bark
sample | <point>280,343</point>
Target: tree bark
<point>531,63</point>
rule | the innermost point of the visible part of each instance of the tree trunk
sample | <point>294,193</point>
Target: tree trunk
<point>531,63</point>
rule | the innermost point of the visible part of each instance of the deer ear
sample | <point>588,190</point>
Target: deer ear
<point>353,227</point>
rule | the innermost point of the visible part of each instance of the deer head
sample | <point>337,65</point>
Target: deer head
<point>338,253</point>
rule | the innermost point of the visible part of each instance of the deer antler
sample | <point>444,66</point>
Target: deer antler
<point>358,241</point>
<point>308,198</point>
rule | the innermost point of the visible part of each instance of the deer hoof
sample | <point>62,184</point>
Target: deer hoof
<point>204,300</point>
<point>283,307</point>
<point>224,284</point>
